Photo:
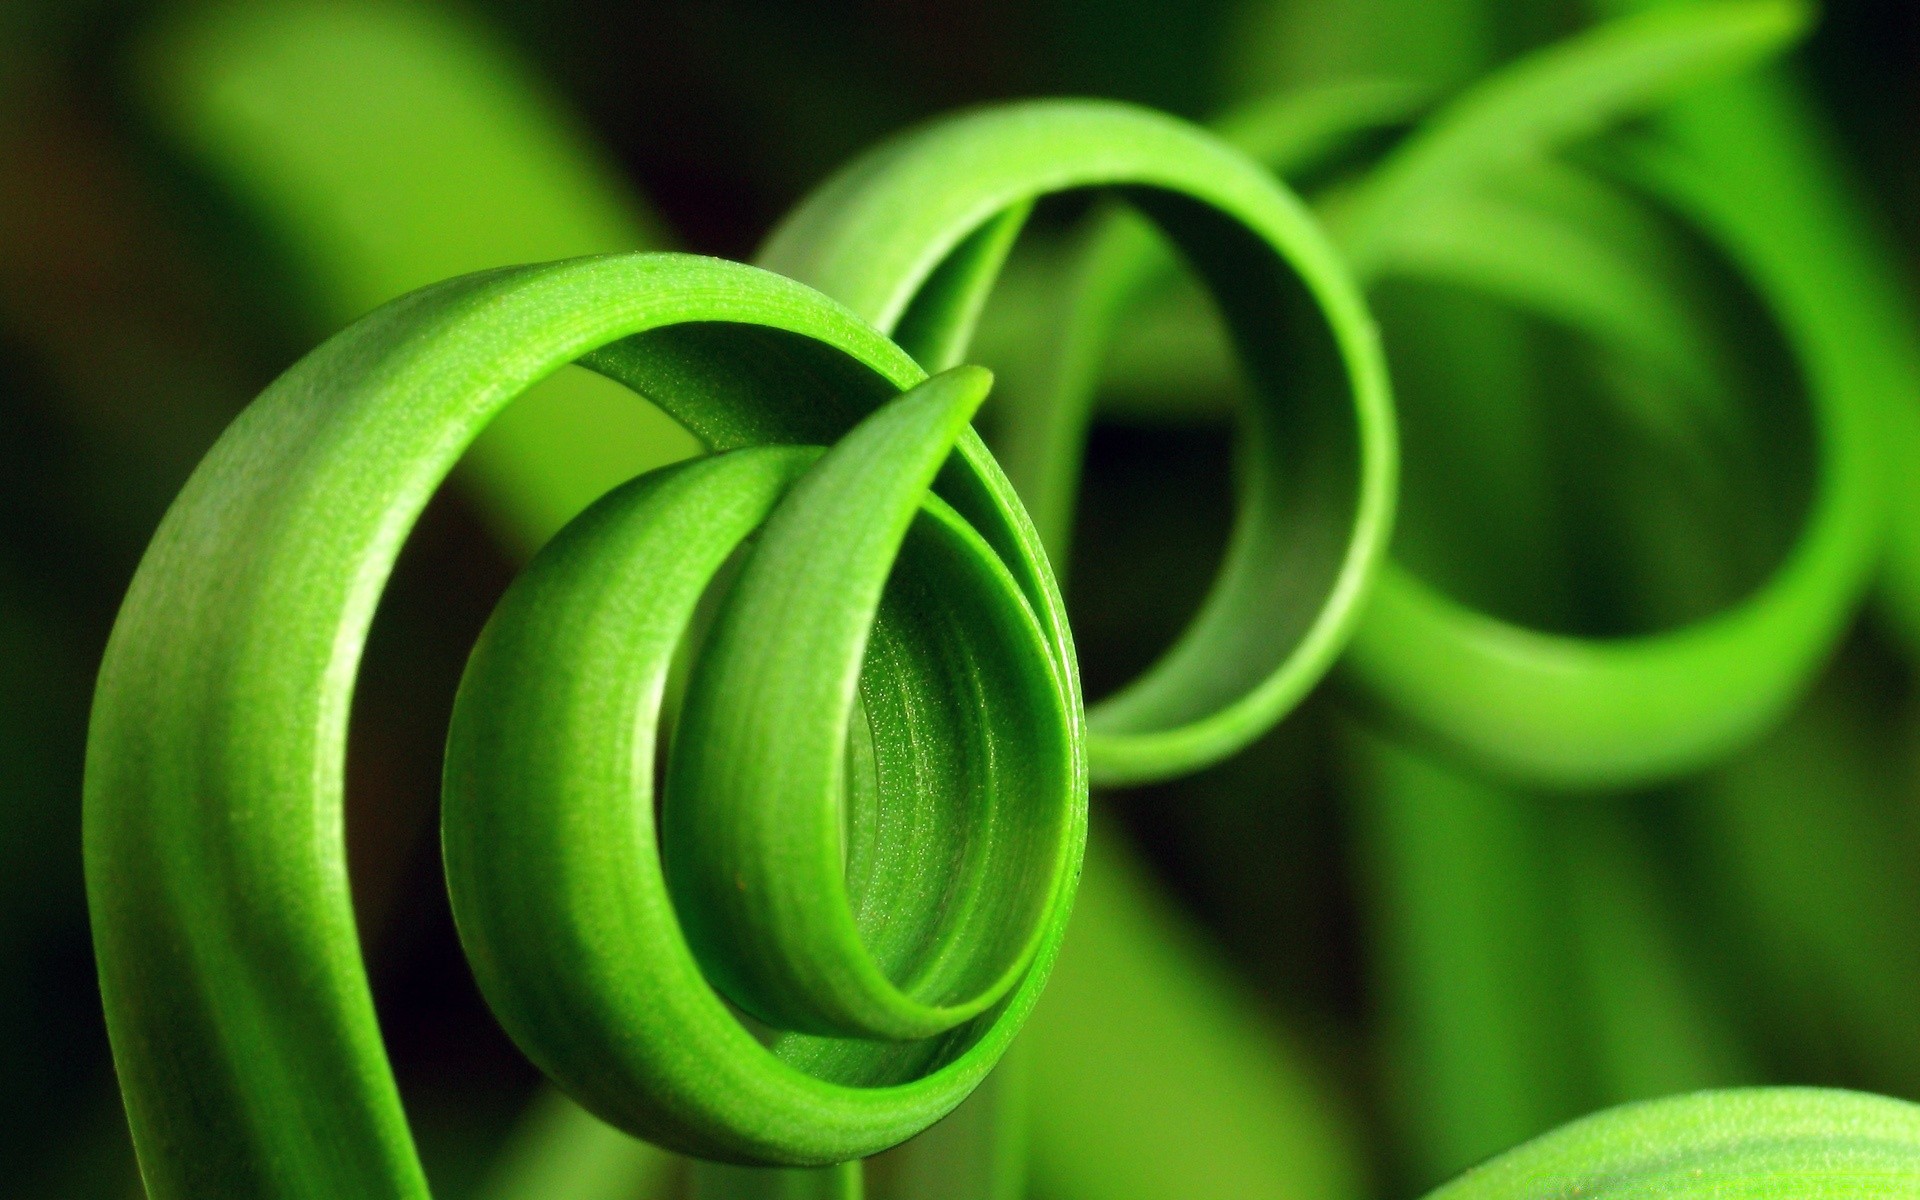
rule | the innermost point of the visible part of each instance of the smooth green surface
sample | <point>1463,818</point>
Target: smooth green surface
<point>1565,711</point>
<point>1760,1144</point>
<point>568,921</point>
<point>979,1151</point>
<point>559,1149</point>
<point>236,997</point>
<point>1469,199</point>
<point>267,151</point>
<point>1316,457</point>
<point>1760,136</point>
<point>1474,981</point>
<point>1156,1075</point>
<point>719,1181</point>
<point>1575,712</point>
<point>1797,819</point>
<point>1507,219</point>
<point>981,769</point>
<point>385,145</point>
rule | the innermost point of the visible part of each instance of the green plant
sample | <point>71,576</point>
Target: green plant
<point>228,679</point>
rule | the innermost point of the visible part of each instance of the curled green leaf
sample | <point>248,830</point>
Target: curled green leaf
<point>1467,199</point>
<point>908,236</point>
<point>238,1004</point>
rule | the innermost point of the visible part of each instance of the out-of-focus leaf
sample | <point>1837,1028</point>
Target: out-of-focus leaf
<point>388,145</point>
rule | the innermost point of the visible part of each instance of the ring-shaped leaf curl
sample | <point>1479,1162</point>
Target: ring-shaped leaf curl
<point>1547,710</point>
<point>237,1000</point>
<point>973,739</point>
<point>553,864</point>
<point>1582,713</point>
<point>911,235</point>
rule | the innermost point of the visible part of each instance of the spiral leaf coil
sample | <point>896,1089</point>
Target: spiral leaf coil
<point>249,1050</point>
<point>959,869</point>
<point>906,236</point>
<point>874,802</point>
<point>1471,198</point>
<point>836,649</point>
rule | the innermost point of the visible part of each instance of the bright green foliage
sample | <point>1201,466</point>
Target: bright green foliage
<point>248,617</point>
<point>1156,963</point>
<point>1761,1144</point>
<point>892,230</point>
<point>836,647</point>
<point>1468,200</point>
<point>1578,712</point>
<point>557,886</point>
<point>379,414</point>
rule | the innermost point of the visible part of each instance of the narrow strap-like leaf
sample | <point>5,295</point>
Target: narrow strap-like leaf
<point>1540,707</point>
<point>1317,476</point>
<point>236,997</point>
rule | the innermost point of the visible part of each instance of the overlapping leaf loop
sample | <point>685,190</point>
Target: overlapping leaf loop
<point>887,900</point>
<point>912,236</point>
<point>875,798</point>
<point>1476,195</point>
<point>875,772</point>
<point>765,791</point>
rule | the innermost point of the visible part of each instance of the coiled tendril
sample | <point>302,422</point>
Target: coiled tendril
<point>911,236</point>
<point>874,789</point>
<point>1474,197</point>
<point>874,798</point>
<point>247,1041</point>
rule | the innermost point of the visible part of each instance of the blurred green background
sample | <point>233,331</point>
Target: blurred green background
<point>1332,967</point>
